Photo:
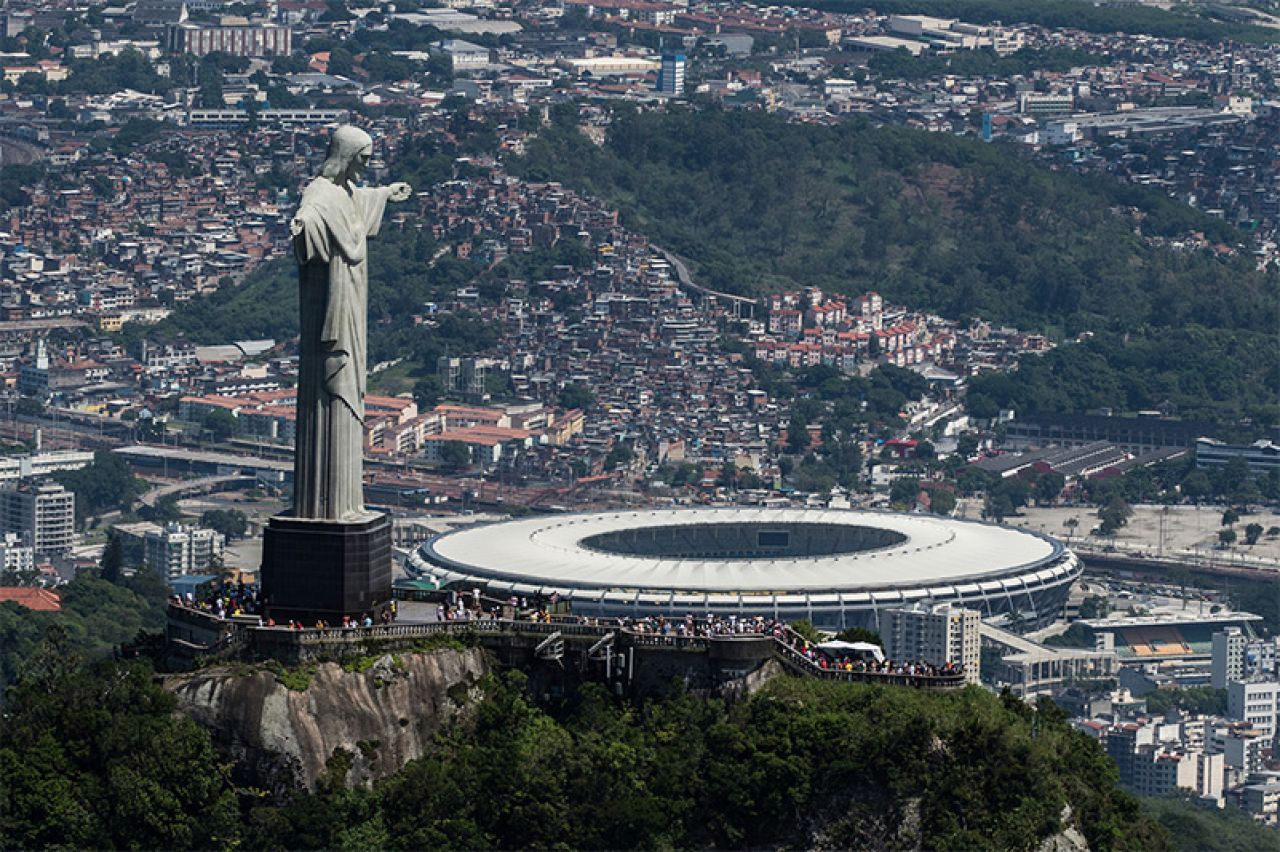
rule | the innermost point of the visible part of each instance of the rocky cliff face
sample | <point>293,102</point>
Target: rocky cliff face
<point>384,716</point>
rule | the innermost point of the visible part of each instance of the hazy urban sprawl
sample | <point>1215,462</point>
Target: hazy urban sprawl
<point>820,426</point>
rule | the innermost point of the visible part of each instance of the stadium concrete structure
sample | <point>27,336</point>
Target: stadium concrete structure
<point>838,568</point>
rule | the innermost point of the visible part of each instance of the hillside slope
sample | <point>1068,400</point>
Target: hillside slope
<point>799,765</point>
<point>927,219</point>
<point>940,223</point>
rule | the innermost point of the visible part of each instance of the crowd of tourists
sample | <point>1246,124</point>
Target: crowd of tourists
<point>888,667</point>
<point>239,599</point>
<point>243,599</point>
<point>387,616</point>
<point>709,626</point>
<point>231,599</point>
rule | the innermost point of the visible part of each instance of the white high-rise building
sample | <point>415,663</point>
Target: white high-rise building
<point>178,550</point>
<point>14,555</point>
<point>43,513</point>
<point>1158,771</point>
<point>1260,659</point>
<point>671,75</point>
<point>1241,749</point>
<point>1254,702</point>
<point>937,635</point>
<point>1228,657</point>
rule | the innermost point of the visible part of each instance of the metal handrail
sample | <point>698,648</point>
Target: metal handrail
<point>784,647</point>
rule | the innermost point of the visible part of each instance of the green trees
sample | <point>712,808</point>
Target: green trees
<point>1067,13</point>
<point>232,523</point>
<point>620,455</point>
<point>950,225</point>
<point>455,456</point>
<point>1196,829</point>
<point>165,510</point>
<point>1180,369</point>
<point>96,757</point>
<point>860,634</point>
<point>29,406</point>
<point>902,65</point>
<point>903,492</point>
<point>106,484</point>
<point>96,615</point>
<point>1114,515</point>
<point>128,69</point>
<point>112,563</point>
<point>576,396</point>
<point>799,761</point>
<point>798,438</point>
<point>1048,486</point>
<point>1094,606</point>
<point>1252,532</point>
<point>1004,497</point>
<point>1192,699</point>
<point>220,425</point>
<point>942,501</point>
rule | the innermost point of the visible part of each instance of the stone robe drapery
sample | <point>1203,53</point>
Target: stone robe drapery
<point>333,280</point>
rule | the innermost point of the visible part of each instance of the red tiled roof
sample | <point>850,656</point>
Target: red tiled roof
<point>39,600</point>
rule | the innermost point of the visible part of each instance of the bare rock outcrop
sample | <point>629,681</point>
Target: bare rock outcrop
<point>384,714</point>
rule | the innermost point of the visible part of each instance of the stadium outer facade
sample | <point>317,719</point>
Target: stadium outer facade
<point>838,568</point>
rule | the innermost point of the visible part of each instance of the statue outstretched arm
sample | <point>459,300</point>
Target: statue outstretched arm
<point>309,238</point>
<point>399,191</point>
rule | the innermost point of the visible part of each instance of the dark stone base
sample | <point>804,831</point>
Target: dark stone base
<point>315,570</point>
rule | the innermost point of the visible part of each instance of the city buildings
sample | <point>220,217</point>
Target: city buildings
<point>464,377</point>
<point>1262,457</point>
<point>671,75</point>
<point>1030,668</point>
<point>1255,702</point>
<point>15,555</point>
<point>937,634</point>
<point>177,549</point>
<point>237,36</point>
<point>17,467</point>
<point>1262,801</point>
<point>43,513</point>
<point>1228,656</point>
<point>1159,771</point>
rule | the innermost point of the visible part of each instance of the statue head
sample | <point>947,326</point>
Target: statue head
<point>349,152</point>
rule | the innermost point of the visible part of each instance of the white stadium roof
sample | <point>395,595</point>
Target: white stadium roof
<point>548,552</point>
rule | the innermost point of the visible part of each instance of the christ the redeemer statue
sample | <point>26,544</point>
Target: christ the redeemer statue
<point>330,234</point>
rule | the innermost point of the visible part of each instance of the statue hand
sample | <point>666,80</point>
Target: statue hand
<point>296,226</point>
<point>400,191</point>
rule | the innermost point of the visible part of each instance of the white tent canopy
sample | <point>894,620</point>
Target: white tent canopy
<point>852,649</point>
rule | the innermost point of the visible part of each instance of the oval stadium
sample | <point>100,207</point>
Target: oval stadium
<point>837,568</point>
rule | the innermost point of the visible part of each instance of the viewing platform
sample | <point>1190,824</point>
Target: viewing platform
<point>618,655</point>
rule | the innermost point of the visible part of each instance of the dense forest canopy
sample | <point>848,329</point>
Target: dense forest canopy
<point>901,65</point>
<point>93,753</point>
<point>95,756</point>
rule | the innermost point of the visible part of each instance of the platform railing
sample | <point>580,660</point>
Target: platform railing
<point>785,647</point>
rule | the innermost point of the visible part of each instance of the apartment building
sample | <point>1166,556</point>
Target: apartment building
<point>178,549</point>
<point>43,513</point>
<point>1228,656</point>
<point>1254,702</point>
<point>937,635</point>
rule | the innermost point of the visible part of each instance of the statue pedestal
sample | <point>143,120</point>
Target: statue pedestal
<point>326,569</point>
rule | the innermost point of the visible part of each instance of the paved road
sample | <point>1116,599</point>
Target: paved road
<point>203,485</point>
<point>686,281</point>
